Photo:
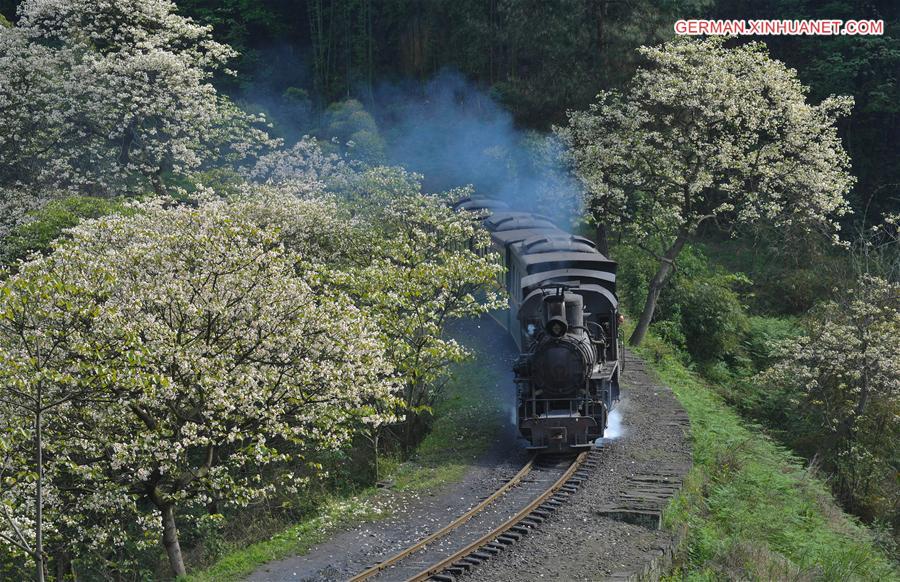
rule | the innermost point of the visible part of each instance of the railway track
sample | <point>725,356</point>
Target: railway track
<point>477,542</point>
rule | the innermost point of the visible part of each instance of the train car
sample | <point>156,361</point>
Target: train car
<point>563,316</point>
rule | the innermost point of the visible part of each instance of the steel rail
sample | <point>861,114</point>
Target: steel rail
<point>516,479</point>
<point>502,528</point>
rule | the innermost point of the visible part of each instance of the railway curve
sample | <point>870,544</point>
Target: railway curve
<point>609,528</point>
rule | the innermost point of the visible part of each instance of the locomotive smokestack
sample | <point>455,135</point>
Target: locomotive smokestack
<point>556,323</point>
<point>563,312</point>
<point>575,311</point>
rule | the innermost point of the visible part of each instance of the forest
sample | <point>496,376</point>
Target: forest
<point>229,267</point>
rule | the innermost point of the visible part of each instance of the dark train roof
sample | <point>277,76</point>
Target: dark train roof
<point>595,259</point>
<point>558,242</point>
<point>506,237</point>
<point>501,221</point>
<point>506,214</point>
<point>582,289</point>
<point>605,279</point>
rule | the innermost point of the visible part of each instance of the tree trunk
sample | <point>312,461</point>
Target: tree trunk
<point>158,187</point>
<point>170,541</point>
<point>375,448</point>
<point>666,265</point>
<point>63,567</point>
<point>39,497</point>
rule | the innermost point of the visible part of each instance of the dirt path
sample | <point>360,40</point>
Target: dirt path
<point>608,529</point>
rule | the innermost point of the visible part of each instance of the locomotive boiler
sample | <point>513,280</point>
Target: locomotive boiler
<point>563,315</point>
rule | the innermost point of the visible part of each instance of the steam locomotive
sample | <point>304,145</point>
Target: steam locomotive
<point>563,316</point>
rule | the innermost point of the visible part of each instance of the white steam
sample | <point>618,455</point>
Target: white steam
<point>614,428</point>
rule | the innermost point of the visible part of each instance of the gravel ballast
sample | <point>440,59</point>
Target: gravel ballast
<point>586,539</point>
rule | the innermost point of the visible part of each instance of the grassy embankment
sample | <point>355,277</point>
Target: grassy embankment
<point>749,509</point>
<point>465,426</point>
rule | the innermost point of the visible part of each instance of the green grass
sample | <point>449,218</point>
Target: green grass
<point>749,509</point>
<point>298,539</point>
<point>465,425</point>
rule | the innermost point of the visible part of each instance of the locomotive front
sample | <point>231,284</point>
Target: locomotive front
<point>561,401</point>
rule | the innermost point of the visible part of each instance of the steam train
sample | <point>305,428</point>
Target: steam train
<point>563,316</point>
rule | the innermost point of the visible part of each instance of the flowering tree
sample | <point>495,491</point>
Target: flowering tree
<point>424,266</point>
<point>705,132</point>
<point>845,375</point>
<point>303,169</point>
<point>848,372</point>
<point>410,262</point>
<point>320,228</point>
<point>234,355</point>
<point>112,96</point>
<point>51,357</point>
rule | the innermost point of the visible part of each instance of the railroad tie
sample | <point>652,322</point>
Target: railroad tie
<point>520,525</point>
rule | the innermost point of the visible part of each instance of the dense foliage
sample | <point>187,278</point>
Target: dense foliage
<point>36,230</point>
<point>824,382</point>
<point>845,374</point>
<point>164,363</point>
<point>541,58</point>
<point>222,354</point>
<point>701,311</point>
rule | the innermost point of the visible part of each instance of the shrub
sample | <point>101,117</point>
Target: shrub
<point>763,333</point>
<point>789,276</point>
<point>49,222</point>
<point>700,309</point>
<point>712,317</point>
<point>350,123</point>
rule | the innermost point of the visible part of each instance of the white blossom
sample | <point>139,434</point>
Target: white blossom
<point>210,352</point>
<point>111,96</point>
<point>705,132</point>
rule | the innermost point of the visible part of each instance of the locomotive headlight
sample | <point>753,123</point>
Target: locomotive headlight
<point>557,327</point>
